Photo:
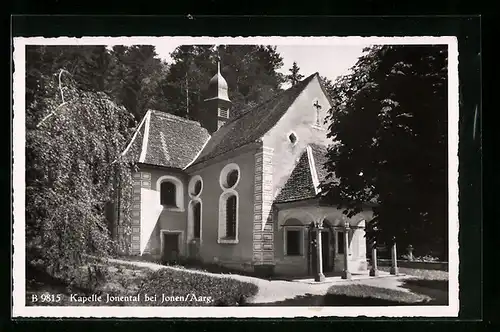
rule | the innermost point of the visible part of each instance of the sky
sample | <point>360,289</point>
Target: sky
<point>330,61</point>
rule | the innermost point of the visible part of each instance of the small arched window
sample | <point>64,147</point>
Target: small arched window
<point>168,194</point>
<point>231,217</point>
<point>196,220</point>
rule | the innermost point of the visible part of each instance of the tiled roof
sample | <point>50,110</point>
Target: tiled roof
<point>252,124</point>
<point>319,153</point>
<point>301,183</point>
<point>169,140</point>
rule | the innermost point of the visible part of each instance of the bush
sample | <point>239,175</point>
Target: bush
<point>195,289</point>
<point>426,258</point>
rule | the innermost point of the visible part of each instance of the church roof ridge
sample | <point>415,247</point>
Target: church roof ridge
<point>170,116</point>
<point>276,96</point>
<point>252,124</point>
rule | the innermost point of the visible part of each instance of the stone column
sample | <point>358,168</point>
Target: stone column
<point>410,252</point>
<point>374,268</point>
<point>319,252</point>
<point>346,274</point>
<point>263,229</point>
<point>394,259</point>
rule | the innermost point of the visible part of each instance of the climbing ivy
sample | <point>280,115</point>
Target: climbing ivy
<point>77,185</point>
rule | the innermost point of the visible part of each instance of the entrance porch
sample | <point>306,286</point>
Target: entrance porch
<point>319,241</point>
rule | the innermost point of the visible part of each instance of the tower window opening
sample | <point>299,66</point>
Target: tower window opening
<point>224,113</point>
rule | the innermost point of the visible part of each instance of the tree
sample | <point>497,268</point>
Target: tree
<point>294,77</point>
<point>389,127</point>
<point>74,137</point>
<point>329,86</point>
<point>250,71</point>
<point>87,65</point>
<point>187,78</point>
<point>135,78</point>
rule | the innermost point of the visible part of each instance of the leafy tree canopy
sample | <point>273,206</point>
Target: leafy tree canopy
<point>250,71</point>
<point>389,125</point>
<point>295,76</point>
<point>74,137</point>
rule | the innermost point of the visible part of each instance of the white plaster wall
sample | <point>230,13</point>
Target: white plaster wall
<point>300,118</point>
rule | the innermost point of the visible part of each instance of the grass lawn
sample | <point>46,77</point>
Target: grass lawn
<point>127,285</point>
<point>355,295</point>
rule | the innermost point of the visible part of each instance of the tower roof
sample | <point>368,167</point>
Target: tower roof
<point>252,123</point>
<point>217,87</point>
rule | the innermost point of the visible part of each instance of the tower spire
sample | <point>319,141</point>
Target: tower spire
<point>216,112</point>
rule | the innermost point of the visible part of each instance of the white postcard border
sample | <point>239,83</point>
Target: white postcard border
<point>18,180</point>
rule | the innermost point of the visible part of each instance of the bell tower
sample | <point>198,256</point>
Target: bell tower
<point>217,105</point>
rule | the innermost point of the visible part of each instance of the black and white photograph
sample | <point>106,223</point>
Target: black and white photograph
<point>235,177</point>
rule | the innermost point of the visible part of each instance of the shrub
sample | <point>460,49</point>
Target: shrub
<point>196,289</point>
<point>426,258</point>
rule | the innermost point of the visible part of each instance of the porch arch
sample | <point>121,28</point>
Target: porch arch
<point>293,222</point>
<point>305,217</point>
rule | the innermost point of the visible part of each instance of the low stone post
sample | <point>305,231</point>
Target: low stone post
<point>319,261</point>
<point>346,274</point>
<point>374,268</point>
<point>394,259</point>
<point>410,252</point>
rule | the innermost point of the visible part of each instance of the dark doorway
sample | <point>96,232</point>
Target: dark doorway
<point>325,244</point>
<point>170,247</point>
<point>325,250</point>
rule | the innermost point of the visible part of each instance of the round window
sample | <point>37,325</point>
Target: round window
<point>197,188</point>
<point>229,176</point>
<point>232,178</point>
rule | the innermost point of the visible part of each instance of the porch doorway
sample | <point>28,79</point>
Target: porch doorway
<point>170,249</point>
<point>326,251</point>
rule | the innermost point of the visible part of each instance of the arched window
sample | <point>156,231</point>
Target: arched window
<point>168,194</point>
<point>228,217</point>
<point>171,192</point>
<point>196,220</point>
<point>231,217</point>
<point>228,204</point>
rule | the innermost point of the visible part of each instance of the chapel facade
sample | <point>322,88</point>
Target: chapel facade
<point>243,191</point>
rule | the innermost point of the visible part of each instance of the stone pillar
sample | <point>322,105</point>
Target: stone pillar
<point>140,180</point>
<point>263,230</point>
<point>394,259</point>
<point>374,268</point>
<point>410,252</point>
<point>319,252</point>
<point>346,274</point>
